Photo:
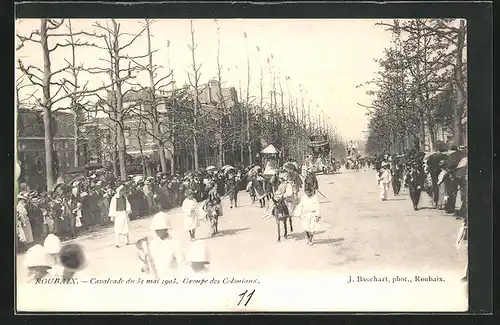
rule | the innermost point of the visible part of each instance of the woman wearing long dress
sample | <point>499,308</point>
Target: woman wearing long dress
<point>191,219</point>
<point>308,211</point>
<point>23,223</point>
<point>119,211</point>
<point>441,203</point>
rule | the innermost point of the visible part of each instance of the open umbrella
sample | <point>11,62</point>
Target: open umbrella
<point>228,169</point>
<point>93,166</point>
<point>226,166</point>
<point>210,168</point>
<point>462,167</point>
<point>290,166</point>
<point>454,158</point>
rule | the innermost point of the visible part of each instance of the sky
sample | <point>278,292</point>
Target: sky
<point>328,58</point>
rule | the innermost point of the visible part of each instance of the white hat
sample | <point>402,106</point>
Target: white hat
<point>84,194</point>
<point>93,176</point>
<point>198,252</point>
<point>52,244</point>
<point>37,256</point>
<point>160,221</point>
<point>21,196</point>
<point>283,175</point>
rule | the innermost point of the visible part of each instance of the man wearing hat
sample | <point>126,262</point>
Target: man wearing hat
<point>286,192</point>
<point>190,210</point>
<point>198,257</point>
<point>38,263</point>
<point>164,252</point>
<point>149,194</point>
<point>384,180</point>
<point>119,210</point>
<point>52,245</point>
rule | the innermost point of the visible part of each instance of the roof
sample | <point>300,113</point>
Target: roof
<point>270,149</point>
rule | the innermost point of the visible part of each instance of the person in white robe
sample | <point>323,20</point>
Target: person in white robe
<point>384,181</point>
<point>38,263</point>
<point>308,210</point>
<point>286,192</point>
<point>197,258</point>
<point>119,211</point>
<point>190,210</point>
<point>165,254</point>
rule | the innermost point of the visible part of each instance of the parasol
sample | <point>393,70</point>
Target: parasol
<point>462,167</point>
<point>138,178</point>
<point>270,149</point>
<point>290,166</point>
<point>454,158</point>
<point>210,168</point>
<point>226,166</point>
<point>228,169</point>
<point>93,166</point>
<point>68,179</point>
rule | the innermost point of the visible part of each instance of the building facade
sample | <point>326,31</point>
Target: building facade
<point>31,145</point>
<point>140,138</point>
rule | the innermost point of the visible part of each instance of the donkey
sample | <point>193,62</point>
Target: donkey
<point>281,213</point>
<point>213,213</point>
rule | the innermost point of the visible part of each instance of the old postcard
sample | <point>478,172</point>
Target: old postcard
<point>244,165</point>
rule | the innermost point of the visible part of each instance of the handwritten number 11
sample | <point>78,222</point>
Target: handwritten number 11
<point>242,295</point>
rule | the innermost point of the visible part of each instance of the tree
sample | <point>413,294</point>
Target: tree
<point>116,52</point>
<point>47,79</point>
<point>194,79</point>
<point>221,102</point>
<point>160,129</point>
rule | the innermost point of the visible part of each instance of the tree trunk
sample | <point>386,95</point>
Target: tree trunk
<point>47,106</point>
<point>119,105</point>
<point>154,105</point>
<point>113,154</point>
<point>196,102</point>
<point>76,157</point>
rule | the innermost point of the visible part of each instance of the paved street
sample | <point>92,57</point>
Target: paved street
<point>360,235</point>
<point>358,231</point>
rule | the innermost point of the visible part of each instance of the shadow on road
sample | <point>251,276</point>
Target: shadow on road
<point>397,199</point>
<point>302,235</point>
<point>227,232</point>
<point>327,241</point>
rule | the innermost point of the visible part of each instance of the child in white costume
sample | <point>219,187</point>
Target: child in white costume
<point>308,211</point>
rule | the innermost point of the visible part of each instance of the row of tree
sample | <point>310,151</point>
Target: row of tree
<point>420,91</point>
<point>242,127</point>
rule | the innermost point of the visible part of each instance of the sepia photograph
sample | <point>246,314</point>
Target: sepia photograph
<point>241,165</point>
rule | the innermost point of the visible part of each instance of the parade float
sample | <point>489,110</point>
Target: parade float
<point>270,160</point>
<point>319,146</point>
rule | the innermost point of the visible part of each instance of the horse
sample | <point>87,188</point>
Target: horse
<point>281,213</point>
